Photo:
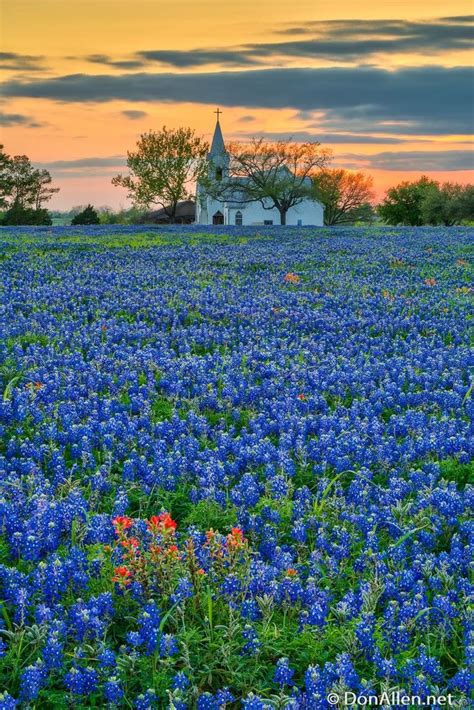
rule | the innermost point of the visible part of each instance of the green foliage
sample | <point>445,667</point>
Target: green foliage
<point>427,202</point>
<point>403,203</point>
<point>448,204</point>
<point>23,187</point>
<point>161,408</point>
<point>87,216</point>
<point>461,473</point>
<point>28,216</point>
<point>209,515</point>
<point>134,215</point>
<point>164,167</point>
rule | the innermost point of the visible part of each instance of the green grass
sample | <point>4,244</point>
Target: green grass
<point>461,473</point>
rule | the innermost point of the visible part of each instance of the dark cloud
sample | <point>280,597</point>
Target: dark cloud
<point>92,167</point>
<point>363,125</point>
<point>347,48</point>
<point>437,34</point>
<point>348,40</point>
<point>134,115</point>
<point>113,161</point>
<point>21,62</point>
<point>458,18</point>
<point>118,63</point>
<point>200,57</point>
<point>331,137</point>
<point>428,99</point>
<point>334,40</point>
<point>179,59</point>
<point>417,161</point>
<point>8,120</point>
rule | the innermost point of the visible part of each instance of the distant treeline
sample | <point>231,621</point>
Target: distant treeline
<point>157,177</point>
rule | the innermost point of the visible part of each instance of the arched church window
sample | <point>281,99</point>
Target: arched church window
<point>218,218</point>
<point>238,217</point>
<point>218,173</point>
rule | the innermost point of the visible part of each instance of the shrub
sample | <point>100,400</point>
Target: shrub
<point>18,215</point>
<point>87,216</point>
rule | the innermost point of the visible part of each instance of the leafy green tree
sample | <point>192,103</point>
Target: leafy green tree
<point>87,216</point>
<point>133,215</point>
<point>23,181</point>
<point>467,203</point>
<point>23,190</point>
<point>448,204</point>
<point>346,196</point>
<point>164,167</point>
<point>403,203</point>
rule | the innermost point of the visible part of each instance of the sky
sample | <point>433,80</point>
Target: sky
<point>388,87</point>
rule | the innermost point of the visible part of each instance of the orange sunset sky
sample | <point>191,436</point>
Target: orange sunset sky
<point>386,85</point>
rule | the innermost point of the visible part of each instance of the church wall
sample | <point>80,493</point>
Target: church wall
<point>306,213</point>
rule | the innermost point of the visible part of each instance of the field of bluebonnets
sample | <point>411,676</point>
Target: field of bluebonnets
<point>234,468</point>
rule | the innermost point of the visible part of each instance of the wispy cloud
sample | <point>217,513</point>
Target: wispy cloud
<point>7,120</point>
<point>334,138</point>
<point>21,62</point>
<point>134,115</point>
<point>114,161</point>
<point>104,59</point>
<point>90,167</point>
<point>411,161</point>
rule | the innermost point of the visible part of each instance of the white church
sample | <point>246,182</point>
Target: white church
<point>230,211</point>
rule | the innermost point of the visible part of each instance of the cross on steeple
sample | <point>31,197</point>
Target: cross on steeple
<point>217,145</point>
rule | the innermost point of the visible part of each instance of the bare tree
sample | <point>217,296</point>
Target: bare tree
<point>43,191</point>
<point>277,175</point>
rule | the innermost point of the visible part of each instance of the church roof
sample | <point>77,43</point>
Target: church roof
<point>217,146</point>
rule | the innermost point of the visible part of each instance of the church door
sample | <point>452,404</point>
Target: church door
<point>218,218</point>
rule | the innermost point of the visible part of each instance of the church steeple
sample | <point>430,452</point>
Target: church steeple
<point>217,146</point>
<point>218,157</point>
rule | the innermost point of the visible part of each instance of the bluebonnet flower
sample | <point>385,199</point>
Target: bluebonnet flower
<point>107,658</point>
<point>283,673</point>
<point>207,701</point>
<point>81,681</point>
<point>146,701</point>
<point>32,679</point>
<point>7,702</point>
<point>180,681</point>
<point>253,702</point>
<point>53,651</point>
<point>252,643</point>
<point>250,610</point>
<point>224,696</point>
<point>183,590</point>
<point>148,633</point>
<point>113,691</point>
<point>168,645</point>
